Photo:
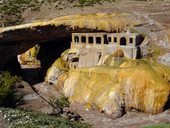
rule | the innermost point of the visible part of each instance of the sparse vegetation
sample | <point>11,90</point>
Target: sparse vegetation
<point>92,2</point>
<point>11,10</point>
<point>60,102</point>
<point>154,52</point>
<point>163,125</point>
<point>141,0</point>
<point>8,94</point>
<point>26,119</point>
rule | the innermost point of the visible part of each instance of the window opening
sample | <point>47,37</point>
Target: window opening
<point>83,39</point>
<point>76,39</point>
<point>131,40</point>
<point>115,39</point>
<point>123,41</point>
<point>109,39</point>
<point>75,59</point>
<point>98,40</point>
<point>91,40</point>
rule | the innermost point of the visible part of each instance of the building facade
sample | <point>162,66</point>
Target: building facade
<point>87,49</point>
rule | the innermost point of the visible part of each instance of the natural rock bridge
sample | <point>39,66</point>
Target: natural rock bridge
<point>13,43</point>
<point>55,34</point>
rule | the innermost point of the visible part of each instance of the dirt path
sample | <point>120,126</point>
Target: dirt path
<point>33,101</point>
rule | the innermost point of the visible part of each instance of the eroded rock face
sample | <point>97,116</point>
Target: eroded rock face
<point>58,68</point>
<point>129,84</point>
<point>165,59</point>
<point>30,57</point>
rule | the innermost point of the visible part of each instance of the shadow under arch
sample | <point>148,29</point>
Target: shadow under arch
<point>123,41</point>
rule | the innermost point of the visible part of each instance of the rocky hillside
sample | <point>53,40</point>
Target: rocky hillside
<point>11,10</point>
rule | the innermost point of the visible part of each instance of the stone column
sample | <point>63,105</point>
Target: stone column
<point>134,41</point>
<point>72,43</point>
<point>94,40</point>
<point>112,39</point>
<point>87,38</point>
<point>118,39</point>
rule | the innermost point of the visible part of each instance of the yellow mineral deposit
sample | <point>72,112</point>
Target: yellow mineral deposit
<point>30,57</point>
<point>100,21</point>
<point>139,84</point>
<point>59,67</point>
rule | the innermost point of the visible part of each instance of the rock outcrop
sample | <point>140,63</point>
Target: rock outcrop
<point>30,57</point>
<point>127,84</point>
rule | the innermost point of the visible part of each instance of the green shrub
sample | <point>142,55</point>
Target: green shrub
<point>162,125</point>
<point>92,2</point>
<point>61,102</point>
<point>27,119</point>
<point>8,95</point>
<point>11,10</point>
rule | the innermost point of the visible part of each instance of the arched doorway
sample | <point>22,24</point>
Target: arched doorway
<point>122,41</point>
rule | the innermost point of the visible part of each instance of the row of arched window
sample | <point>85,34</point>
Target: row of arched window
<point>83,39</point>
<point>99,40</point>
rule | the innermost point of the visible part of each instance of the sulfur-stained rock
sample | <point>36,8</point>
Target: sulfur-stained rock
<point>30,57</point>
<point>133,84</point>
<point>98,21</point>
<point>59,67</point>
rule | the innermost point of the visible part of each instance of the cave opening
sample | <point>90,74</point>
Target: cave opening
<point>48,53</point>
<point>53,41</point>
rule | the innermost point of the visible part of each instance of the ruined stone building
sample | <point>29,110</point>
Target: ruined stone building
<point>87,49</point>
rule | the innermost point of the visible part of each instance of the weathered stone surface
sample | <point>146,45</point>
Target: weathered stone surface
<point>57,69</point>
<point>30,57</point>
<point>165,59</point>
<point>140,85</point>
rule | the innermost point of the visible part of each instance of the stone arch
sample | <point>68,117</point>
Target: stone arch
<point>123,41</point>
